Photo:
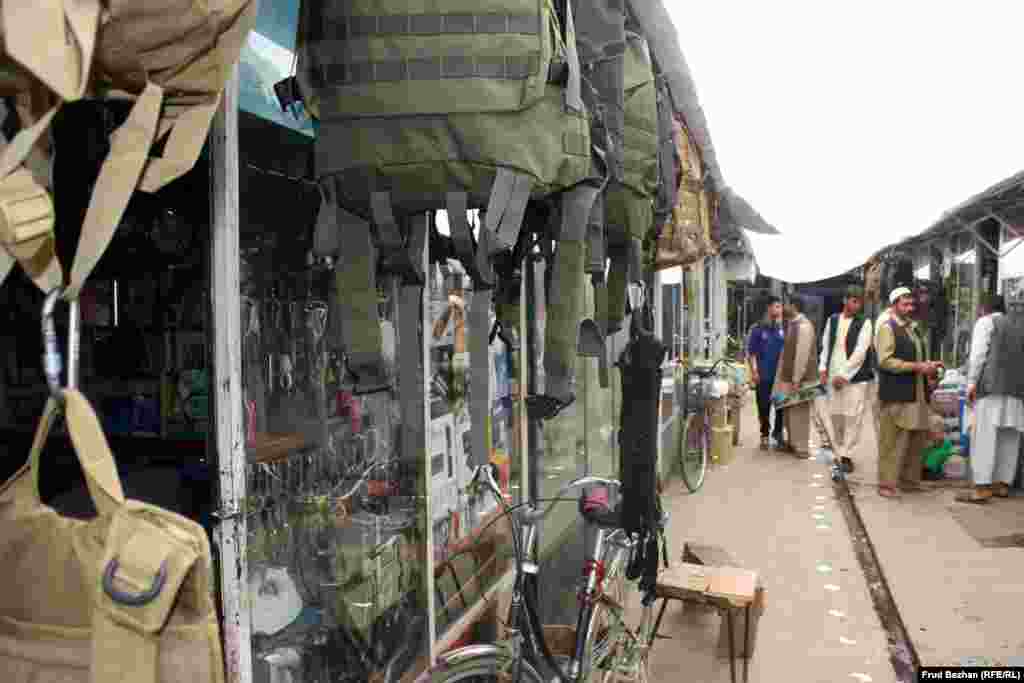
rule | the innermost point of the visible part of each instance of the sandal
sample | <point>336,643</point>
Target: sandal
<point>886,491</point>
<point>979,494</point>
<point>1002,490</point>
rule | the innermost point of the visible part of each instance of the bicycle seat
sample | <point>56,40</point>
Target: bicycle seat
<point>595,509</point>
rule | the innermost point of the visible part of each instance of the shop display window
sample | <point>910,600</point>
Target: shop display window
<point>960,295</point>
<point>471,544</point>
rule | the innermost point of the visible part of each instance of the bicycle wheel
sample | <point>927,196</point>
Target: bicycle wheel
<point>614,651</point>
<point>694,449</point>
<point>484,668</point>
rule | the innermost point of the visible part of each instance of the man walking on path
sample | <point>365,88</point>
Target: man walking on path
<point>846,367</point>
<point>797,366</point>
<point>995,380</point>
<point>764,348</point>
<point>902,394</point>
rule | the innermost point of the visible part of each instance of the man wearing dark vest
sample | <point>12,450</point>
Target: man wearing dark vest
<point>902,395</point>
<point>797,367</point>
<point>995,383</point>
<point>847,369</point>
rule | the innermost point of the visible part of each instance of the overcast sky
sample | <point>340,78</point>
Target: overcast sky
<point>851,125</point>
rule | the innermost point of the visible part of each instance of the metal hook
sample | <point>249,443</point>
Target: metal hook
<point>53,361</point>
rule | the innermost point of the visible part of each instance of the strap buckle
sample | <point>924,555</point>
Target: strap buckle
<point>133,599</point>
<point>52,359</point>
<point>26,210</point>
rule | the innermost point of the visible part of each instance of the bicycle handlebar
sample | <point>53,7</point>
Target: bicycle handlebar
<point>704,373</point>
<point>531,513</point>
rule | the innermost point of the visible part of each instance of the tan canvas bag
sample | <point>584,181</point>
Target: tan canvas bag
<point>172,56</point>
<point>122,598</point>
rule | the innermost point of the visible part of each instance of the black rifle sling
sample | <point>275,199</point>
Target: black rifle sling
<point>641,372</point>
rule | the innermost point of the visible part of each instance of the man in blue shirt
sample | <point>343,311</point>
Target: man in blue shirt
<point>764,348</point>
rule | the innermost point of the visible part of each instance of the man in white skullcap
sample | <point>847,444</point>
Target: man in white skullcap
<point>903,370</point>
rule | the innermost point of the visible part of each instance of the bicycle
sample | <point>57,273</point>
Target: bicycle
<point>604,644</point>
<point>695,438</point>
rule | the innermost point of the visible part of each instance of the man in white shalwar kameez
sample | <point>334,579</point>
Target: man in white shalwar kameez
<point>846,368</point>
<point>995,384</point>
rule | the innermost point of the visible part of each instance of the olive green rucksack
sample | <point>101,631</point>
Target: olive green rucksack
<point>470,105</point>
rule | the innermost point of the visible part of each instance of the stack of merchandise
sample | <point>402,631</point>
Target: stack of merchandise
<point>948,402</point>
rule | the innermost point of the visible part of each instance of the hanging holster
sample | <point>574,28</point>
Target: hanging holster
<point>640,368</point>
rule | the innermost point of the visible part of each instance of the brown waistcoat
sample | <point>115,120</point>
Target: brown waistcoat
<point>794,331</point>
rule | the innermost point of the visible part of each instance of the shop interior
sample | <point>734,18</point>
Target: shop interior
<point>144,335</point>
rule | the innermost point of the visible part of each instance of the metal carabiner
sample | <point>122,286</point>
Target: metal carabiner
<point>52,358</point>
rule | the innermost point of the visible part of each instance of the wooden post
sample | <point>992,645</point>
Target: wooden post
<point>227,383</point>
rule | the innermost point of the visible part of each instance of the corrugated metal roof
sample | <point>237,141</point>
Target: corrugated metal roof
<point>1004,199</point>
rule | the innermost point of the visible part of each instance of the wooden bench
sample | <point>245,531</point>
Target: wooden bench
<point>725,588</point>
<point>715,556</point>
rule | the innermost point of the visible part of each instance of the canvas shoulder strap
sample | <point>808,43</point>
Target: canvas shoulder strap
<point>55,42</point>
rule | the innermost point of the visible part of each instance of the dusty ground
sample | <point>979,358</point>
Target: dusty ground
<point>953,570</point>
<point>777,515</point>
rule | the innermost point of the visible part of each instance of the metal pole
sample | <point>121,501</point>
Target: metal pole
<point>413,351</point>
<point>225,283</point>
<point>534,291</point>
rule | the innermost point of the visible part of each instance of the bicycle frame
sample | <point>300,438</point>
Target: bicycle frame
<point>610,557</point>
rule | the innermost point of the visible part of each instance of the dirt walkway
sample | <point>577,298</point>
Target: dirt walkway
<point>779,516</point>
<point>956,571</point>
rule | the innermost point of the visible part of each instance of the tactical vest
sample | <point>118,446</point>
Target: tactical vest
<point>1001,375</point>
<point>900,387</point>
<point>866,373</point>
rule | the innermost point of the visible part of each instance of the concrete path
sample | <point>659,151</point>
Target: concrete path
<point>960,601</point>
<point>777,515</point>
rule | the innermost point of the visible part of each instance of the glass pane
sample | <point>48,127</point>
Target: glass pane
<point>336,514</point>
<point>471,549</point>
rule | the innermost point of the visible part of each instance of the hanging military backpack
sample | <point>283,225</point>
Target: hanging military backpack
<point>172,58</point>
<point>873,281</point>
<point>457,108</point>
<point>684,239</point>
<point>629,205</point>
